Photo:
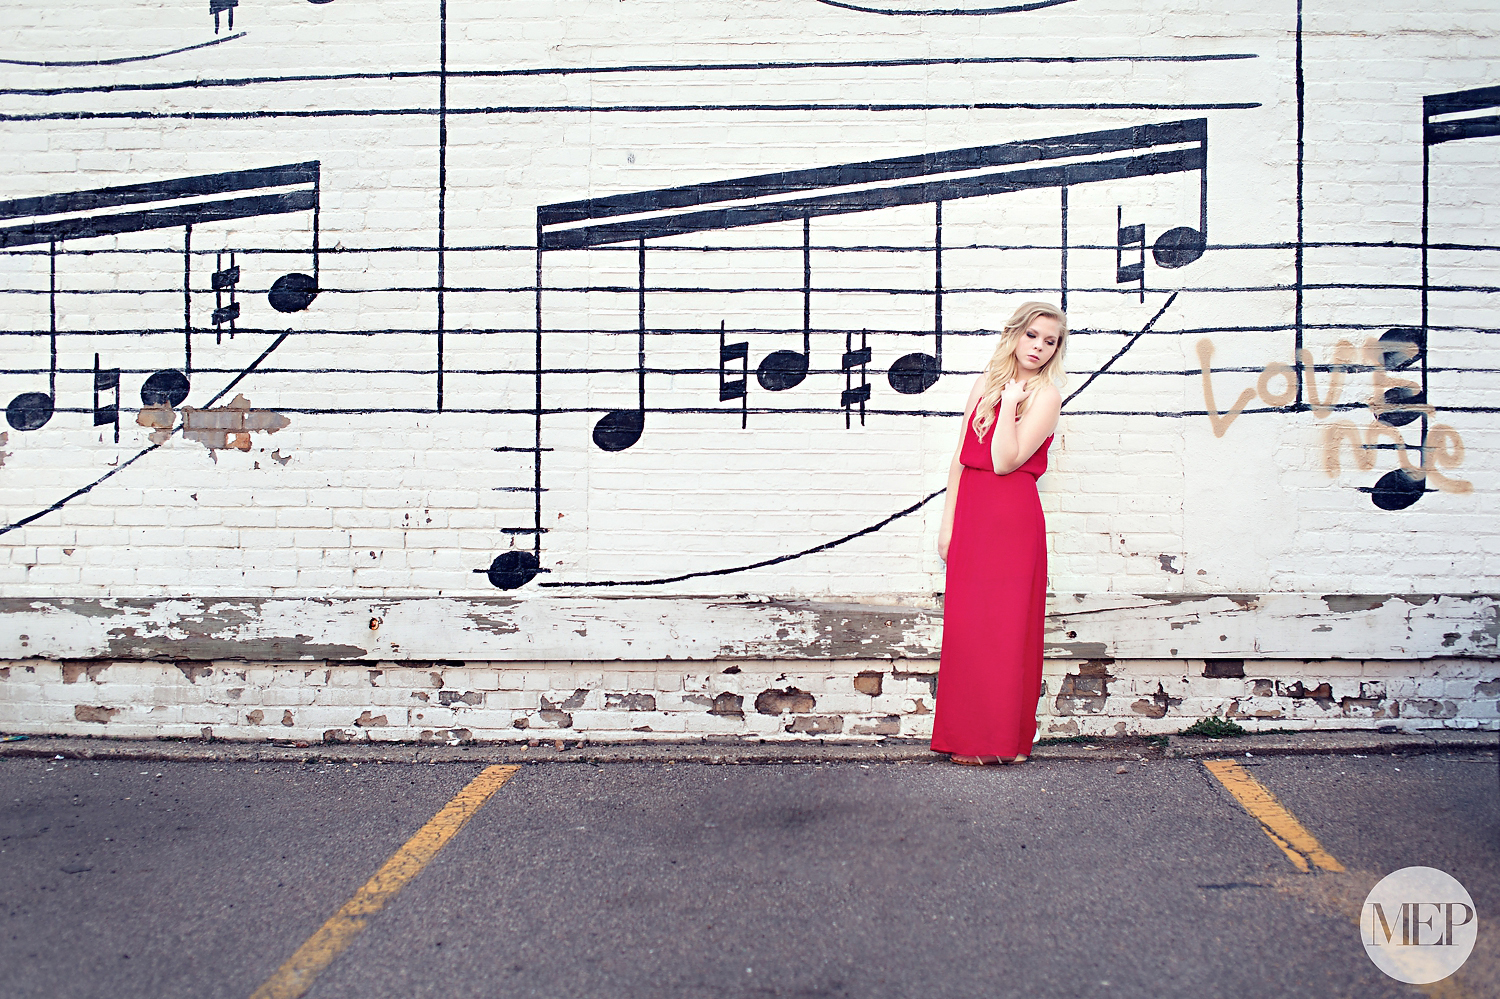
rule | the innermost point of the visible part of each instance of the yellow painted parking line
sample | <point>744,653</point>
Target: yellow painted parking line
<point>1303,849</point>
<point>296,976</point>
<point>1300,846</point>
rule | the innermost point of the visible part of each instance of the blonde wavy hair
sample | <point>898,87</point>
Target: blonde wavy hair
<point>1002,365</point>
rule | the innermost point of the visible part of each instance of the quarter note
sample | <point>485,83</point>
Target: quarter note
<point>784,369</point>
<point>1445,118</point>
<point>621,428</point>
<point>738,386</point>
<point>32,410</point>
<point>915,373</point>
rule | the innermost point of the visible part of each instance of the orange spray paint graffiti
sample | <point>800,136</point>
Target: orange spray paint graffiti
<point>1393,402</point>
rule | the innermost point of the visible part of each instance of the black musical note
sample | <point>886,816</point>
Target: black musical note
<point>185,202</point>
<point>1114,154</point>
<point>855,394</point>
<point>621,428</point>
<point>216,7</point>
<point>1127,238</point>
<point>915,373</point>
<point>225,279</point>
<point>32,410</point>
<point>105,380</point>
<point>784,369</point>
<point>1405,350</point>
<point>737,387</point>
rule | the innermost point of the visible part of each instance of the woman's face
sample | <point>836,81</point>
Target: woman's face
<point>1036,344</point>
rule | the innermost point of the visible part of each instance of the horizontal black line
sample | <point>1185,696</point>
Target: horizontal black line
<point>530,248</point>
<point>733,411</point>
<point>633,289</point>
<point>530,332</point>
<point>630,289</point>
<point>114,62</point>
<point>606,109</point>
<point>481,572</point>
<point>428,74</point>
<point>833,410</point>
<point>872,371</point>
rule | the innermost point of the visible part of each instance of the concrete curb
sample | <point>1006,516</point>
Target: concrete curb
<point>737,752</point>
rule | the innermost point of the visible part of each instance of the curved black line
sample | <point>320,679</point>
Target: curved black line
<point>770,561</point>
<point>121,61</point>
<point>977,12</point>
<point>144,451</point>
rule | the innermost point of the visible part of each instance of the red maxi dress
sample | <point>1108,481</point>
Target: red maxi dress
<point>993,609</point>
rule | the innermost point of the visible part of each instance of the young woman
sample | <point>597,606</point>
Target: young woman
<point>995,543</point>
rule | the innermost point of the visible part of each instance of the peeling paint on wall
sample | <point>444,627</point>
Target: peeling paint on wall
<point>1216,627</point>
<point>231,425</point>
<point>1086,691</point>
<point>648,700</point>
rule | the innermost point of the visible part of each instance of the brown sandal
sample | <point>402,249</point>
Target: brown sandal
<point>974,761</point>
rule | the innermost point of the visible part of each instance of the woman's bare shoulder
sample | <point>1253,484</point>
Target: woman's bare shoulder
<point>975,391</point>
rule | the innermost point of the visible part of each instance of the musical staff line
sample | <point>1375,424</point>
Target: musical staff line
<point>787,107</point>
<point>700,331</point>
<point>1353,368</point>
<point>813,289</point>
<point>645,68</point>
<point>881,248</point>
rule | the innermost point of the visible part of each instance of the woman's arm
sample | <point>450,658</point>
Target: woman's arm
<point>955,472</point>
<point>1015,442</point>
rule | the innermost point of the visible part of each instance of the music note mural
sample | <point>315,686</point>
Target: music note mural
<point>57,219</point>
<point>1401,360</point>
<point>829,193</point>
<point>617,258</point>
<point>778,270</point>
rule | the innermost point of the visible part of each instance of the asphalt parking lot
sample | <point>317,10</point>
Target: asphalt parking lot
<point>132,878</point>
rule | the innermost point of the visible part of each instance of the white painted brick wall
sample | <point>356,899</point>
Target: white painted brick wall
<point>371,501</point>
